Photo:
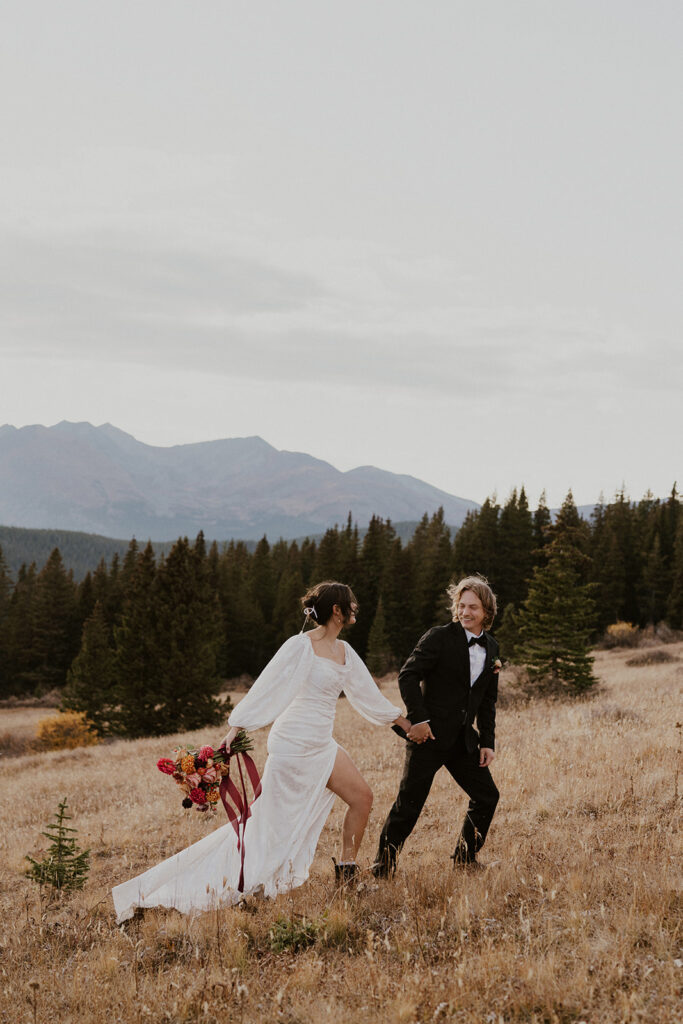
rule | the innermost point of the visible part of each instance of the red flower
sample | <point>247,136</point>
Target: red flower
<point>197,796</point>
<point>205,753</point>
<point>165,765</point>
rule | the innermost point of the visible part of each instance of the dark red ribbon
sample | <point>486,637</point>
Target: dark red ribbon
<point>236,803</point>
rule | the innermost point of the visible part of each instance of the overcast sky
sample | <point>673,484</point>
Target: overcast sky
<point>436,236</point>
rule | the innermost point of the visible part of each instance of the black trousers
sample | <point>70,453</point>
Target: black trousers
<point>423,760</point>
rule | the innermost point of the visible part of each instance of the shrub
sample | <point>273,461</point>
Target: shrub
<point>621,634</point>
<point>64,867</point>
<point>655,657</point>
<point>12,745</point>
<point>65,731</point>
<point>292,934</point>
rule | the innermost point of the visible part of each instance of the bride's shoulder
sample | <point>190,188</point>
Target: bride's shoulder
<point>296,642</point>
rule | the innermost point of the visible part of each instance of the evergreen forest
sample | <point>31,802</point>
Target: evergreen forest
<point>147,629</point>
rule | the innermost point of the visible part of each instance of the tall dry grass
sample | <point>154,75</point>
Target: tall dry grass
<point>580,920</point>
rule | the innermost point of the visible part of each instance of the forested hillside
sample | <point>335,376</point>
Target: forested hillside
<point>142,613</point>
<point>81,552</point>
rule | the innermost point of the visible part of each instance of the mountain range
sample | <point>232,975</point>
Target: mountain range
<point>75,476</point>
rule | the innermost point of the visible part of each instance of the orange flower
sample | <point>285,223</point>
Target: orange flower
<point>213,796</point>
<point>187,763</point>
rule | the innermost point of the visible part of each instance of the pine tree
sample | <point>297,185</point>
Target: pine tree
<point>465,547</point>
<point>261,580</point>
<point>56,628</point>
<point>514,563</point>
<point>623,558</point>
<point>557,619</point>
<point>186,635</point>
<point>542,522</point>
<point>378,658</point>
<point>571,531</point>
<point>138,658</point>
<point>508,634</point>
<point>112,592</point>
<point>328,557</point>
<point>242,617</point>
<point>64,866</point>
<point>5,585</point>
<point>653,590</point>
<point>261,589</point>
<point>374,554</point>
<point>486,539</point>
<point>398,600</point>
<point>91,681</point>
<point>287,614</point>
<point>675,601</point>
<point>5,592</point>
<point>16,635</point>
<point>349,554</point>
<point>432,560</point>
<point>308,556</point>
<point>85,600</point>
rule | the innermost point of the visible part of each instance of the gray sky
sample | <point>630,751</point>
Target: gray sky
<point>439,237</point>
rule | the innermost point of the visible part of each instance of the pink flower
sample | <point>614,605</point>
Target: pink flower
<point>194,779</point>
<point>205,753</point>
<point>165,765</point>
<point>197,796</point>
<point>210,775</point>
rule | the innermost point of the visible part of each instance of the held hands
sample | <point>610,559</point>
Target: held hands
<point>420,733</point>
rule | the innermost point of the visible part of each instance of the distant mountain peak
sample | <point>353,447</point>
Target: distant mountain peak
<point>75,476</point>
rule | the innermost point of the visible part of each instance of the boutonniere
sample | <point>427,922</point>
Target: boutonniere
<point>496,665</point>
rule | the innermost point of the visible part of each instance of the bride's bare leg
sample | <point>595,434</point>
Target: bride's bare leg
<point>348,783</point>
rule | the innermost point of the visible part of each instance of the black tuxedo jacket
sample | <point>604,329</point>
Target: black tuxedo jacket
<point>435,685</point>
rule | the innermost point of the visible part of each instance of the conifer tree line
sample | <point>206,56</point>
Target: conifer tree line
<point>143,642</point>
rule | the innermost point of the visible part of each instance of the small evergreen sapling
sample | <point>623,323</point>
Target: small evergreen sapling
<point>64,866</point>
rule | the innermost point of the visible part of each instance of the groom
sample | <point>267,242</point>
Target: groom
<point>448,681</point>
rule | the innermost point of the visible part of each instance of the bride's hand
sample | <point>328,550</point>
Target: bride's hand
<point>229,738</point>
<point>402,723</point>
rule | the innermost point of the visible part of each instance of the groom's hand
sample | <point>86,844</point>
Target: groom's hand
<point>420,733</point>
<point>486,755</point>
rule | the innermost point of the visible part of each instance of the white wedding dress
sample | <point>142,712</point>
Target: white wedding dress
<point>298,691</point>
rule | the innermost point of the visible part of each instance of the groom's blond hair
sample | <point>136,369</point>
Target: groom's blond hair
<point>479,586</point>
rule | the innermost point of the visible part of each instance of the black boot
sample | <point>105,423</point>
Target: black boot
<point>464,857</point>
<point>344,873</point>
<point>385,865</point>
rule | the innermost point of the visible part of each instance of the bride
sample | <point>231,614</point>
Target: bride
<point>298,690</point>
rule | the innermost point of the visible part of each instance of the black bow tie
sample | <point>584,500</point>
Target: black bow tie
<point>481,640</point>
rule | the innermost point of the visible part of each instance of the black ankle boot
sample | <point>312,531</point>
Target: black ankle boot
<point>344,873</point>
<point>385,866</point>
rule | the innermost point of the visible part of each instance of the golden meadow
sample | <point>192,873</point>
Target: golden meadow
<point>578,919</point>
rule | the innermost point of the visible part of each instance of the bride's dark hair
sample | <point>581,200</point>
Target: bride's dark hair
<point>322,598</point>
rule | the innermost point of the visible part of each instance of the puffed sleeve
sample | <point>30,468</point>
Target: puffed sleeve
<point>364,694</point>
<point>276,687</point>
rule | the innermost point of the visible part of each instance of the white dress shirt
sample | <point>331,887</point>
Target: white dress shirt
<point>477,657</point>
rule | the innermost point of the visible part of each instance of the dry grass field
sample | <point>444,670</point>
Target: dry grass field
<point>579,919</point>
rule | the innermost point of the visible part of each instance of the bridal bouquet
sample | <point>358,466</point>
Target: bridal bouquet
<point>199,772</point>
